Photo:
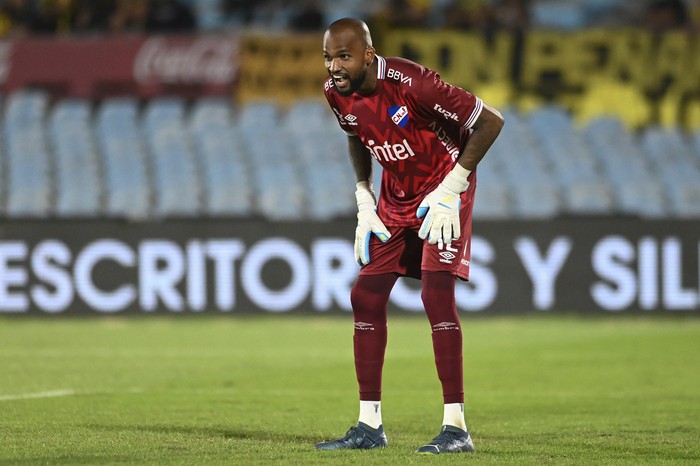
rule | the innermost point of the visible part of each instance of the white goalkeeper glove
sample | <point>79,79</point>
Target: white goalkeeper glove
<point>367,223</point>
<point>441,208</point>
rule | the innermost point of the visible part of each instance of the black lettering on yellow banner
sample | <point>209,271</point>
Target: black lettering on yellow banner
<point>283,67</point>
<point>467,60</point>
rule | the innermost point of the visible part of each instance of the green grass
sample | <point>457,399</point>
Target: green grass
<point>191,391</point>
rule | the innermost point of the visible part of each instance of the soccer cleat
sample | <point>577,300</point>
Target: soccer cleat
<point>451,440</point>
<point>360,436</point>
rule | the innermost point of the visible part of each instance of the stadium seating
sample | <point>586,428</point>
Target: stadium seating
<point>29,183</point>
<point>319,149</point>
<point>168,157</point>
<point>175,173</point>
<point>78,185</point>
<point>226,184</point>
<point>558,14</point>
<point>126,173</point>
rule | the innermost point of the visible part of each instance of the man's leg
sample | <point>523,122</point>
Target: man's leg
<point>438,295</point>
<point>369,297</point>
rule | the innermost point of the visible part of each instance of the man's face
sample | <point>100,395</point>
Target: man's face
<point>347,59</point>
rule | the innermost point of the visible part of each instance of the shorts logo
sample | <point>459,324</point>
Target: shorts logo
<point>399,115</point>
<point>447,255</point>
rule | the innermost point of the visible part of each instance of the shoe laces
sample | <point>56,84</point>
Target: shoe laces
<point>354,434</point>
<point>357,436</point>
<point>446,436</point>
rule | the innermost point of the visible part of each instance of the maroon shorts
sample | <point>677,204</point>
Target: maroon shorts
<point>407,255</point>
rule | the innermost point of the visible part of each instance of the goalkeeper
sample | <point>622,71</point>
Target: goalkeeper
<point>428,136</point>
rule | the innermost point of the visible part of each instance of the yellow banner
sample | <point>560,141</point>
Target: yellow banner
<point>633,74</point>
<point>641,77</point>
<point>284,68</point>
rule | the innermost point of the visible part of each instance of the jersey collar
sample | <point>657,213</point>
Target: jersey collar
<point>381,67</point>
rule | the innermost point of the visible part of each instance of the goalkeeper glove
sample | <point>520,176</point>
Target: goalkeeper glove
<point>441,208</point>
<point>367,223</point>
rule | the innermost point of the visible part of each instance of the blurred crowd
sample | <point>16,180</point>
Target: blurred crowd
<point>515,15</point>
<point>43,17</point>
<point>21,17</point>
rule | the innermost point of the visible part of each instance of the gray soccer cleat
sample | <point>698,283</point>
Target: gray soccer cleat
<point>360,436</point>
<point>451,440</point>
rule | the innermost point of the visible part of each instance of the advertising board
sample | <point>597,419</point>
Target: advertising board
<point>247,266</point>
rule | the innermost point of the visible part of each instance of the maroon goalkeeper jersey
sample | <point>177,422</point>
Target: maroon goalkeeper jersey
<point>414,124</point>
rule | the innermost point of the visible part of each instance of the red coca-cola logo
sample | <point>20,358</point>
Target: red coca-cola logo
<point>199,61</point>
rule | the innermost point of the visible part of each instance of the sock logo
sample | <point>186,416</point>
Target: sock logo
<point>363,326</point>
<point>445,326</point>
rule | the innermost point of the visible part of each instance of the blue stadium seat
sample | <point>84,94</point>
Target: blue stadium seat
<point>642,197</point>
<point>175,173</point>
<point>675,167</point>
<point>535,198</point>
<point>492,202</point>
<point>318,149</point>
<point>127,185</point>
<point>589,196</point>
<point>636,188</point>
<point>558,14</point>
<point>576,171</point>
<point>227,188</point>
<point>78,185</point>
<point>695,143</point>
<point>29,184</point>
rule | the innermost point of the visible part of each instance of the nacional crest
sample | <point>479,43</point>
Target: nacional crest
<point>399,115</point>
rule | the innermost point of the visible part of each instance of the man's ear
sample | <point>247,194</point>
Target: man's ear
<point>369,55</point>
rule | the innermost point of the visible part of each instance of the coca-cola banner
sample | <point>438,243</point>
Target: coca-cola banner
<point>144,66</point>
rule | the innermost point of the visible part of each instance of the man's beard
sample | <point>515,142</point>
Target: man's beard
<point>354,84</point>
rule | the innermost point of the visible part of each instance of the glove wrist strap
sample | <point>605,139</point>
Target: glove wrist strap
<point>456,181</point>
<point>364,196</point>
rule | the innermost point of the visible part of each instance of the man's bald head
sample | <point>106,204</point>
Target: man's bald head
<point>354,26</point>
<point>348,53</point>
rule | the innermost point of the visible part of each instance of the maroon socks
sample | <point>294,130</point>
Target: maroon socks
<point>439,301</point>
<point>369,298</point>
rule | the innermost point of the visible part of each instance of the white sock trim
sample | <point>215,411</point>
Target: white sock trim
<point>454,415</point>
<point>371,413</point>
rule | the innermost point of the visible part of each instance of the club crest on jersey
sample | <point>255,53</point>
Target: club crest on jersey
<point>399,115</point>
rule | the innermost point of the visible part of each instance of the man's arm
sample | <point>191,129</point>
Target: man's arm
<point>361,159</point>
<point>441,207</point>
<point>486,130</point>
<point>368,221</point>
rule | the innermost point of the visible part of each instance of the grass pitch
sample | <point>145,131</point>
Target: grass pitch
<point>196,391</point>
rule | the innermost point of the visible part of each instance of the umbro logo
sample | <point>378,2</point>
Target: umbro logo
<point>445,326</point>
<point>348,119</point>
<point>447,255</point>
<point>363,326</point>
